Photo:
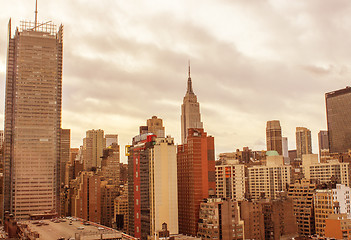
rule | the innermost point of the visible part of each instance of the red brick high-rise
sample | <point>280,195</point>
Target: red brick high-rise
<point>196,177</point>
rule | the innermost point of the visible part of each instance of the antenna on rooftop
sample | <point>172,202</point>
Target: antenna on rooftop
<point>36,14</point>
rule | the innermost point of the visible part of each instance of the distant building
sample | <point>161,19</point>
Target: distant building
<point>252,215</point>
<point>121,215</point>
<point>302,192</point>
<point>93,145</point>
<point>285,150</point>
<point>324,206</point>
<point>279,219</point>
<point>325,172</point>
<point>323,142</point>
<point>303,142</point>
<point>110,139</point>
<point>64,160</point>
<point>191,117</point>
<point>220,219</point>
<point>269,219</point>
<point>338,105</point>
<point>86,197</point>
<point>230,181</point>
<point>110,165</point>
<point>109,192</point>
<point>342,195</point>
<point>196,177</point>
<point>270,180</point>
<point>155,126</point>
<point>274,136</point>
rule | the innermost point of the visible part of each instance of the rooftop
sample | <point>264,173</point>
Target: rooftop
<point>69,229</point>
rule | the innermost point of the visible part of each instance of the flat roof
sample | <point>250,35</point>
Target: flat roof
<point>54,230</point>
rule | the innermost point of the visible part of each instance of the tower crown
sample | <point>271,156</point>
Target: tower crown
<point>190,87</point>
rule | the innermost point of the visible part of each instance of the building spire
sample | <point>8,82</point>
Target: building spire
<point>190,87</point>
<point>36,14</point>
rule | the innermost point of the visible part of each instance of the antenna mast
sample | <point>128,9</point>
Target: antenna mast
<point>36,14</point>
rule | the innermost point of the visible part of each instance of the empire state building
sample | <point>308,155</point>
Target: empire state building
<point>191,117</point>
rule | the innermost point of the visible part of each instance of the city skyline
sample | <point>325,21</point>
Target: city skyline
<point>251,62</point>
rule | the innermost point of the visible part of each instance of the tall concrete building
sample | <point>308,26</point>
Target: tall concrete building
<point>33,119</point>
<point>338,104</point>
<point>191,117</point>
<point>163,186</point>
<point>196,177</point>
<point>93,146</point>
<point>274,136</point>
<point>303,141</point>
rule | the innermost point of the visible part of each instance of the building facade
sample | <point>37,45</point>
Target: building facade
<point>323,142</point>
<point>163,186</point>
<point>302,192</point>
<point>220,219</point>
<point>325,172</point>
<point>270,180</point>
<point>230,181</point>
<point>93,146</point>
<point>338,105</point>
<point>303,141</point>
<point>191,117</point>
<point>274,136</point>
<point>33,119</point>
<point>196,177</point>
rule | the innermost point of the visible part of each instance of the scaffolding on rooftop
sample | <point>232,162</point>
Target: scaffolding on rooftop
<point>46,27</point>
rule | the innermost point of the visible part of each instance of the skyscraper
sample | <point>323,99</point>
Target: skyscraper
<point>274,136</point>
<point>303,141</point>
<point>93,146</point>
<point>338,104</point>
<point>323,141</point>
<point>191,117</point>
<point>196,177</point>
<point>33,119</point>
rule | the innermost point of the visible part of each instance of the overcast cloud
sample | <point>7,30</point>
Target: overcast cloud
<point>251,61</point>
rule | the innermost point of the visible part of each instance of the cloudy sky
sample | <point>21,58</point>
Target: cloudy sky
<point>251,61</point>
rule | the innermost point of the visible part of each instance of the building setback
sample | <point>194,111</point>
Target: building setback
<point>196,177</point>
<point>33,119</point>
<point>191,117</point>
